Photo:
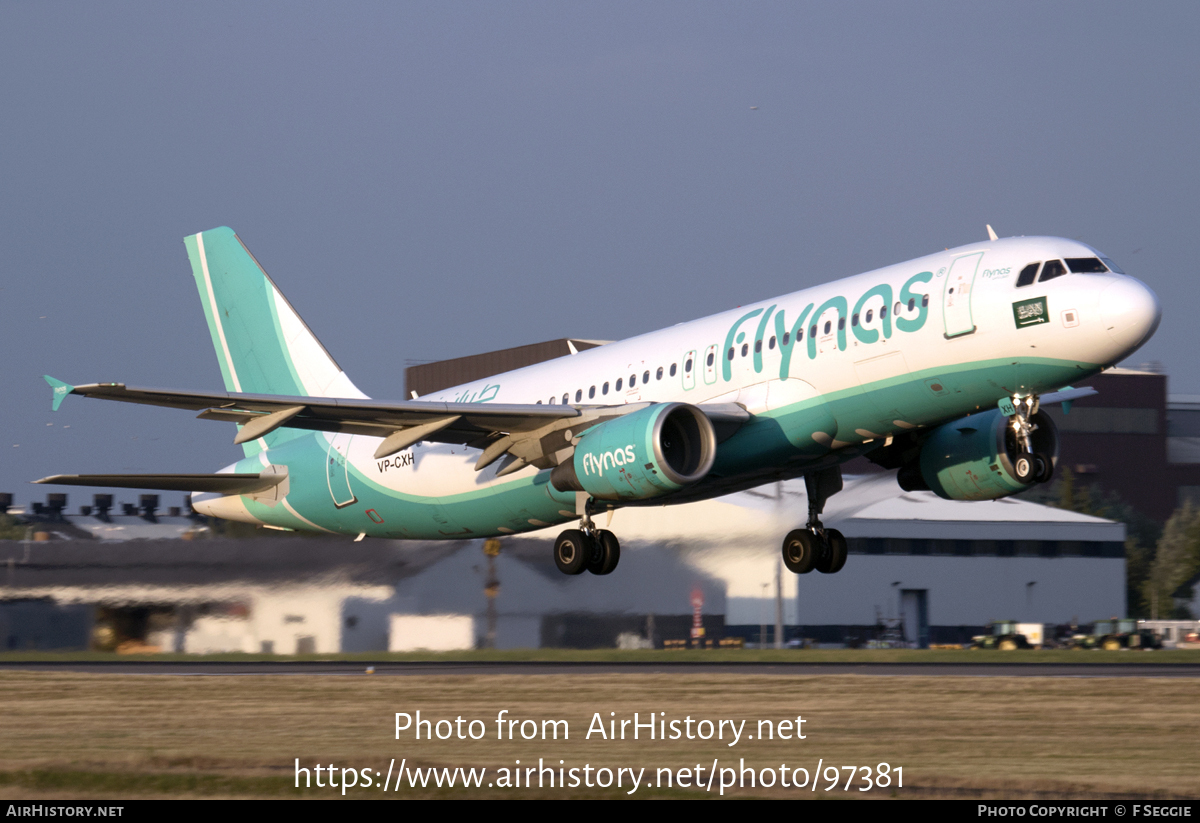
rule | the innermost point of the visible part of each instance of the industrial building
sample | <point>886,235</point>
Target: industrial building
<point>927,569</point>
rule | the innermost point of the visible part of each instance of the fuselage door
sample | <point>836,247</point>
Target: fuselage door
<point>827,331</point>
<point>882,380</point>
<point>337,469</point>
<point>633,390</point>
<point>689,370</point>
<point>956,295</point>
<point>710,364</point>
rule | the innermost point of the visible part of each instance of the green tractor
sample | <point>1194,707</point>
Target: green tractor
<point>1113,635</point>
<point>1004,637</point>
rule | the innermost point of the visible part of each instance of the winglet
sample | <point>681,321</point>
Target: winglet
<point>992,234</point>
<point>61,390</point>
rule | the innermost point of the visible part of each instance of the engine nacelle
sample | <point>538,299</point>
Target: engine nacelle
<point>645,454</point>
<point>972,458</point>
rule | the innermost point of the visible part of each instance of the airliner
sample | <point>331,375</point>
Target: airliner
<point>937,367</point>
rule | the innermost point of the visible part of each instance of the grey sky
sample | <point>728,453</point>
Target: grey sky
<point>433,180</point>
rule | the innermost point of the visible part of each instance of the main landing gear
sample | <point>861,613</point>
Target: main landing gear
<point>587,549</point>
<point>1029,465</point>
<point>814,546</point>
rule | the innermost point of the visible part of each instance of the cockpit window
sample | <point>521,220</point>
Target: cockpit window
<point>1027,275</point>
<point>1051,270</point>
<point>1086,265</point>
<point>1113,267</point>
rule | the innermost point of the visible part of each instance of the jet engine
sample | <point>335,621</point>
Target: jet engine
<point>977,458</point>
<point>641,455</point>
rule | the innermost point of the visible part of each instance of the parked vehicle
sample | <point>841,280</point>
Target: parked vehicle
<point>1008,635</point>
<point>1113,635</point>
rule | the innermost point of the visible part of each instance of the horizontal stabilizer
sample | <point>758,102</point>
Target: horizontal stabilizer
<point>228,483</point>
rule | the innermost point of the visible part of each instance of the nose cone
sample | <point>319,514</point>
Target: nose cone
<point>1130,312</point>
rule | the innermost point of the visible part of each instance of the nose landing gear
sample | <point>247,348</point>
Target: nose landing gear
<point>1029,465</point>
<point>814,546</point>
<point>587,548</point>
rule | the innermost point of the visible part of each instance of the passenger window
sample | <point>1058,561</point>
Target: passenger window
<point>812,332</point>
<point>646,376</point>
<point>591,393</point>
<point>632,380</point>
<point>578,395</point>
<point>870,312</point>
<point>896,310</point>
<point>604,388</point>
<point>566,399</point>
<point>539,402</point>
<point>758,347</point>
<point>689,367</point>
<point>925,300</point>
<point>912,304</point>
<point>854,320</point>
<point>619,383</point>
<point>1052,269</point>
<point>710,358</point>
<point>1086,265</point>
<point>841,324</point>
<point>658,374</point>
<point>745,349</point>
<point>828,326</point>
<point>785,337</point>
<point>882,312</point>
<point>730,352</point>
<point>771,343</point>
<point>1027,275</point>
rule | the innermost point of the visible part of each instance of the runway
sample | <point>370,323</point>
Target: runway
<point>451,669</point>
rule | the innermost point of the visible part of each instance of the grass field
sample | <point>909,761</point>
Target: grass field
<point>113,736</point>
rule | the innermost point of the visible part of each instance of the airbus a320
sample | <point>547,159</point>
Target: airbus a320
<point>937,367</point>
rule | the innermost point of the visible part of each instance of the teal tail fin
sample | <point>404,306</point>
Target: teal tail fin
<point>262,345</point>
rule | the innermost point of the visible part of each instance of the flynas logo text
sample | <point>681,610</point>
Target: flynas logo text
<point>614,457</point>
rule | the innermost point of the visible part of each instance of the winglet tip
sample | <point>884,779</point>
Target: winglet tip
<point>61,390</point>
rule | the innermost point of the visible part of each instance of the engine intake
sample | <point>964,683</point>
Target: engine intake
<point>646,454</point>
<point>972,458</point>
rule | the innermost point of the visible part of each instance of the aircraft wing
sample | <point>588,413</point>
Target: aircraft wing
<point>1067,396</point>
<point>537,434</point>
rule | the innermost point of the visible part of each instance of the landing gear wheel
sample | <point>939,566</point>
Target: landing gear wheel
<point>572,551</point>
<point>834,556</point>
<point>1044,467</point>
<point>800,549</point>
<point>1007,645</point>
<point>1025,467</point>
<point>606,553</point>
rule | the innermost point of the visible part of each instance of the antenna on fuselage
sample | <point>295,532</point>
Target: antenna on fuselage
<point>992,233</point>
